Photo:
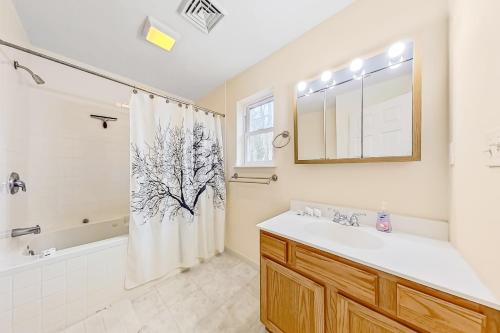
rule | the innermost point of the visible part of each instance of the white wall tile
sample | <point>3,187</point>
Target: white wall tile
<point>53,301</point>
<point>52,286</point>
<point>54,320</point>
<point>5,293</point>
<point>97,278</point>
<point>76,285</point>
<point>33,325</point>
<point>27,312</point>
<point>57,295</point>
<point>6,322</point>
<point>76,311</point>
<point>27,294</point>
<point>54,270</point>
<point>77,263</point>
<point>27,278</point>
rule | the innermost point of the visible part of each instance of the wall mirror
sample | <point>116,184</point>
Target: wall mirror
<point>366,112</point>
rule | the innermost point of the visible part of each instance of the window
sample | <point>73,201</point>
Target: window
<point>256,131</point>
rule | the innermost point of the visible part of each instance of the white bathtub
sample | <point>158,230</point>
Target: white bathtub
<point>84,234</point>
<point>49,293</point>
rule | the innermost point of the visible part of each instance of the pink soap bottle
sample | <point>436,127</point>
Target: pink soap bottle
<point>384,219</point>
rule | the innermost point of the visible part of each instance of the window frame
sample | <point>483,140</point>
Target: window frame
<point>254,102</point>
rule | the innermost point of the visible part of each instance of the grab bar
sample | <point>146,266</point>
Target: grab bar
<point>253,180</point>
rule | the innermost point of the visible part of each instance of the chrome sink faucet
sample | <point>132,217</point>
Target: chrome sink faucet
<point>25,231</point>
<point>343,219</point>
<point>339,218</point>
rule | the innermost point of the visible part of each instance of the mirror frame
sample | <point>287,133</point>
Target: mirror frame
<point>416,124</point>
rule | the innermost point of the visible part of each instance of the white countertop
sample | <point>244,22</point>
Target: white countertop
<point>433,263</point>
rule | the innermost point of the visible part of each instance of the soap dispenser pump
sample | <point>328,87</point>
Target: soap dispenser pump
<point>384,219</point>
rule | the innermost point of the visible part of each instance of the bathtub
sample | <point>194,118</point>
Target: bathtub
<point>69,238</point>
<point>48,291</point>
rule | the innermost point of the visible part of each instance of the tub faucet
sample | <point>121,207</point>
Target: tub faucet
<point>25,231</point>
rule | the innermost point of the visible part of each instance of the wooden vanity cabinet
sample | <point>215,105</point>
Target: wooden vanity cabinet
<point>305,290</point>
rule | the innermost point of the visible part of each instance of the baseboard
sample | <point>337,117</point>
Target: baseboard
<point>242,257</point>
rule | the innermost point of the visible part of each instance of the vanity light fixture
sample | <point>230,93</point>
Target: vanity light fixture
<point>302,86</point>
<point>356,65</point>
<point>332,85</point>
<point>396,50</point>
<point>326,76</point>
<point>159,34</point>
<point>394,66</point>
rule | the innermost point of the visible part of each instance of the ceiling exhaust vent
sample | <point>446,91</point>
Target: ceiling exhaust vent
<point>203,14</point>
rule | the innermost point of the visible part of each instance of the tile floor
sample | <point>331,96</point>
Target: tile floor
<point>220,295</point>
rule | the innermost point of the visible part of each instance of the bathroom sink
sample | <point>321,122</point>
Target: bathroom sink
<point>345,235</point>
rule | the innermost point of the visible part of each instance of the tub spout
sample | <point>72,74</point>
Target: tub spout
<point>25,231</point>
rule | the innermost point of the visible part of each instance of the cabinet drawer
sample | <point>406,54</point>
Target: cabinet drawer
<point>436,315</point>
<point>355,282</point>
<point>355,318</point>
<point>273,248</point>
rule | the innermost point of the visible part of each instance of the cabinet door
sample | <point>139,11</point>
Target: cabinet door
<point>290,303</point>
<point>355,318</point>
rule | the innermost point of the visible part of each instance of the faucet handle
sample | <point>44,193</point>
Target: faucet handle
<point>15,183</point>
<point>354,219</point>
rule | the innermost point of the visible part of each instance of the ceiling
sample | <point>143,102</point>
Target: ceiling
<point>107,34</point>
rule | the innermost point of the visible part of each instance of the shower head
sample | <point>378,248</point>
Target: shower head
<point>36,78</point>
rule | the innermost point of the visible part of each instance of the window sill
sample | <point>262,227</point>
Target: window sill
<point>254,166</point>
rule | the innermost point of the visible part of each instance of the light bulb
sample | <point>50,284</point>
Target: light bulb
<point>302,86</point>
<point>356,65</point>
<point>396,50</point>
<point>326,76</point>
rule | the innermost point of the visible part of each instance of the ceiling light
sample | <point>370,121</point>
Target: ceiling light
<point>326,76</point>
<point>159,34</point>
<point>302,86</point>
<point>356,65</point>
<point>396,50</point>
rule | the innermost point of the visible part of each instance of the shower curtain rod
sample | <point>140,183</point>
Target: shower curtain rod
<point>103,76</point>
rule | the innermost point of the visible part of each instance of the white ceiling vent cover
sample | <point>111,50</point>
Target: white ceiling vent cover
<point>203,14</point>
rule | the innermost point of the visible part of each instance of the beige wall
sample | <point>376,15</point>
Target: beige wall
<point>419,188</point>
<point>475,188</point>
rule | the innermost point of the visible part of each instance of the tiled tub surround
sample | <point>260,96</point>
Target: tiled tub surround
<point>51,293</point>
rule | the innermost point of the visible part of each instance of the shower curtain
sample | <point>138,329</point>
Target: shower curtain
<point>177,188</point>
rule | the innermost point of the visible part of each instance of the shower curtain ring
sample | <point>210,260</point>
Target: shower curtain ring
<point>134,91</point>
<point>151,96</point>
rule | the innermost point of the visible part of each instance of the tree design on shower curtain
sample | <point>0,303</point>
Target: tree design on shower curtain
<point>174,171</point>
